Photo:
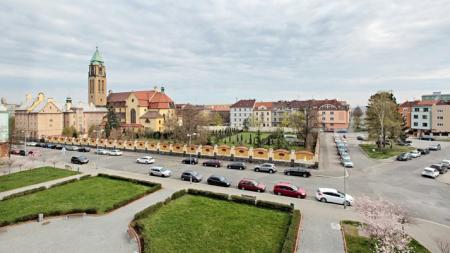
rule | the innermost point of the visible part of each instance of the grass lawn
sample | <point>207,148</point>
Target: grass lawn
<point>96,192</point>
<point>201,224</point>
<point>386,153</point>
<point>361,244</point>
<point>236,140</point>
<point>30,177</point>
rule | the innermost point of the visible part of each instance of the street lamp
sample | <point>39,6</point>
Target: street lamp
<point>190,154</point>
<point>96,146</point>
<point>25,141</point>
<point>345,194</point>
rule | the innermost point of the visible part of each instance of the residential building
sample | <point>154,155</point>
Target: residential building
<point>82,117</point>
<point>421,117</point>
<point>142,109</point>
<point>436,96</point>
<point>4,131</point>
<point>441,118</point>
<point>405,110</point>
<point>222,110</point>
<point>97,80</point>
<point>262,114</point>
<point>240,112</point>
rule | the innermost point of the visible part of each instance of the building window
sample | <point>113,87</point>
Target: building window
<point>424,116</point>
<point>416,116</point>
<point>425,124</point>
<point>331,113</point>
<point>132,100</point>
<point>331,119</point>
<point>425,109</point>
<point>323,118</point>
<point>323,113</point>
<point>147,121</point>
<point>416,124</point>
<point>416,109</point>
<point>133,116</point>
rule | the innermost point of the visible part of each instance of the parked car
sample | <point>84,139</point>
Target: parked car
<point>84,149</point>
<point>423,151</point>
<point>442,168</point>
<point>101,151</point>
<point>160,171</point>
<point>347,163</point>
<point>427,138</point>
<point>212,163</point>
<point>39,144</point>
<point>288,189</point>
<point>360,138</point>
<point>14,151</point>
<point>415,153</point>
<point>219,181</point>
<point>59,147</point>
<point>446,163</point>
<point>22,152</point>
<point>403,143</point>
<point>266,167</point>
<point>237,165</point>
<point>435,147</point>
<point>333,196</point>
<point>299,171</point>
<point>191,175</point>
<point>71,148</point>
<point>345,156</point>
<point>51,146</point>
<point>146,160</point>
<point>44,145</point>
<point>115,152</point>
<point>430,172</point>
<point>251,185</point>
<point>79,160</point>
<point>32,144</point>
<point>192,160</point>
<point>403,157</point>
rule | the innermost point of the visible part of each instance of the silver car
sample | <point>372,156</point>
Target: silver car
<point>266,167</point>
<point>101,151</point>
<point>347,163</point>
<point>160,171</point>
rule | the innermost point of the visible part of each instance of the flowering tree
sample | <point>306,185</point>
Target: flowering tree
<point>384,221</point>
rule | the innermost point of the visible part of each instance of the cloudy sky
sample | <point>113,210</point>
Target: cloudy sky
<point>220,51</point>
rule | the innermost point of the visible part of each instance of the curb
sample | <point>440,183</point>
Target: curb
<point>343,238</point>
<point>299,232</point>
<point>132,233</point>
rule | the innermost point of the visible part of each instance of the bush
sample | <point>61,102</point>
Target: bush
<point>84,177</point>
<point>273,205</point>
<point>15,195</point>
<point>64,182</point>
<point>147,211</point>
<point>243,200</point>
<point>151,184</point>
<point>291,236</point>
<point>209,194</point>
<point>178,194</point>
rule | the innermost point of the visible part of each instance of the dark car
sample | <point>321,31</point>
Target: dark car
<point>79,160</point>
<point>360,138</point>
<point>59,147</point>
<point>22,152</point>
<point>191,175</point>
<point>403,143</point>
<point>14,152</point>
<point>301,172</point>
<point>39,144</point>
<point>212,163</point>
<point>251,185</point>
<point>423,151</point>
<point>442,168</point>
<point>237,166</point>
<point>219,181</point>
<point>403,157</point>
<point>44,145</point>
<point>192,160</point>
<point>84,149</point>
<point>50,145</point>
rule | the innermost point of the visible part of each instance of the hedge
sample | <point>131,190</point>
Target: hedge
<point>291,236</point>
<point>178,194</point>
<point>243,200</point>
<point>136,181</point>
<point>213,195</point>
<point>14,195</point>
<point>274,205</point>
<point>147,211</point>
<point>64,182</point>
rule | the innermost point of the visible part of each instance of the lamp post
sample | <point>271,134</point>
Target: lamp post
<point>96,147</point>
<point>345,194</point>
<point>190,155</point>
<point>25,141</point>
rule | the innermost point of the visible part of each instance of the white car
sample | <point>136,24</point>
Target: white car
<point>415,154</point>
<point>32,144</point>
<point>446,162</point>
<point>101,151</point>
<point>430,172</point>
<point>145,160</point>
<point>115,152</point>
<point>160,171</point>
<point>333,196</point>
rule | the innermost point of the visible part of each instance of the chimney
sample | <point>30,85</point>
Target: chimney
<point>162,89</point>
<point>68,103</point>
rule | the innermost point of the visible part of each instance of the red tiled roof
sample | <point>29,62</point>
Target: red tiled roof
<point>118,96</point>
<point>151,115</point>
<point>151,99</point>
<point>425,103</point>
<point>247,103</point>
<point>219,108</point>
<point>267,105</point>
<point>409,103</point>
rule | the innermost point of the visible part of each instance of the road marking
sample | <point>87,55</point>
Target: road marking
<point>335,226</point>
<point>432,222</point>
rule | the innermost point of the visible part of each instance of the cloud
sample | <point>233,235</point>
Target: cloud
<point>215,51</point>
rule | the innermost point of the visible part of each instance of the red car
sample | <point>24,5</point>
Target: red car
<point>14,151</point>
<point>251,185</point>
<point>290,190</point>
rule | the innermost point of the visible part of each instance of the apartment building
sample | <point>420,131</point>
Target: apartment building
<point>240,112</point>
<point>262,114</point>
<point>441,118</point>
<point>4,131</point>
<point>436,96</point>
<point>405,110</point>
<point>421,117</point>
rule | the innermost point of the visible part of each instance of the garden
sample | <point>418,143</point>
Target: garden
<point>33,176</point>
<point>98,194</point>
<point>373,152</point>
<point>201,221</point>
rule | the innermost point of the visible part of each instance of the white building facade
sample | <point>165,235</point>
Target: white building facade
<point>240,112</point>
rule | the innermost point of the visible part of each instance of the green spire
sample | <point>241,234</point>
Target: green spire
<point>97,58</point>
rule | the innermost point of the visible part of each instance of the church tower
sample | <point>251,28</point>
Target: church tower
<point>97,80</point>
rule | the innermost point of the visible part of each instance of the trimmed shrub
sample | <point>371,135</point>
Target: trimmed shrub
<point>63,183</point>
<point>15,195</point>
<point>151,184</point>
<point>149,210</point>
<point>178,194</point>
<point>243,200</point>
<point>167,201</point>
<point>209,194</point>
<point>274,205</point>
<point>84,177</point>
<point>291,235</point>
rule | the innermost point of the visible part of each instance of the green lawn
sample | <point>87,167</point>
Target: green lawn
<point>201,224</point>
<point>361,244</point>
<point>235,140</point>
<point>92,193</point>
<point>30,177</point>
<point>372,151</point>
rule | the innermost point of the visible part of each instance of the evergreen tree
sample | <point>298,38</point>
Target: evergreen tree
<point>112,121</point>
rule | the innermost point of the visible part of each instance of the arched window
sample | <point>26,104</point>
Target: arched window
<point>133,116</point>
